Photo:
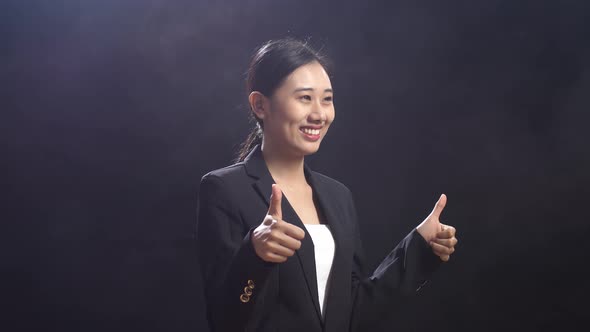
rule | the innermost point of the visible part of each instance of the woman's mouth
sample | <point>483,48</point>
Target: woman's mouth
<point>311,134</point>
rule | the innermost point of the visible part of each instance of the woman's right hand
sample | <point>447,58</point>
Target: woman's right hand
<point>275,240</point>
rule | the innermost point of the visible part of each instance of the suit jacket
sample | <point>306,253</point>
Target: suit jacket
<point>245,293</point>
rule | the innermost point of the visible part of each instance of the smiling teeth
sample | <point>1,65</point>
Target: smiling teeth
<point>311,131</point>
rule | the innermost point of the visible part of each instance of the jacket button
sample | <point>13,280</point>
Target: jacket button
<point>251,284</point>
<point>247,290</point>
<point>244,298</point>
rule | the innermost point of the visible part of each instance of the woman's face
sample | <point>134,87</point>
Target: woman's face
<point>300,111</point>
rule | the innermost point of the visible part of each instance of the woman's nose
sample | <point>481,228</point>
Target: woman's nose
<point>317,114</point>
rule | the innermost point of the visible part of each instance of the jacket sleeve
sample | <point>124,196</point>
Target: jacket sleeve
<point>232,272</point>
<point>400,275</point>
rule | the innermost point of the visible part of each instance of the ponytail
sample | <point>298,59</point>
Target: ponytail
<point>255,137</point>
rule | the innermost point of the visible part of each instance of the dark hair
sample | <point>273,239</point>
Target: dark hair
<point>270,65</point>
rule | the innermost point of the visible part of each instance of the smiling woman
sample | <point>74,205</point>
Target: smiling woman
<point>298,113</point>
<point>288,74</point>
<point>279,245</point>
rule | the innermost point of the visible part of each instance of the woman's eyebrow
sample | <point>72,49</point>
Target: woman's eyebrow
<point>310,89</point>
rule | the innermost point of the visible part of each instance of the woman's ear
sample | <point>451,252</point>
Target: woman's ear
<point>258,104</point>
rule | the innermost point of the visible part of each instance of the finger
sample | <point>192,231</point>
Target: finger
<point>447,232</point>
<point>274,258</point>
<point>449,243</point>
<point>439,206</point>
<point>288,241</point>
<point>292,230</point>
<point>274,207</point>
<point>278,235</point>
<point>440,249</point>
<point>445,258</point>
<point>280,250</point>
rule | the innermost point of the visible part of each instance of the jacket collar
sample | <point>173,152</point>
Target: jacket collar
<point>256,166</point>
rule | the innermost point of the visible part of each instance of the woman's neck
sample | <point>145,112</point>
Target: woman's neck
<point>284,169</point>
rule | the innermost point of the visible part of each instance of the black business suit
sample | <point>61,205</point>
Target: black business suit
<point>234,200</point>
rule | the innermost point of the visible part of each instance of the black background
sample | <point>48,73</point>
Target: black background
<point>113,110</point>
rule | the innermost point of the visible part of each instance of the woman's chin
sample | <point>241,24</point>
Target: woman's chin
<point>310,148</point>
<point>304,148</point>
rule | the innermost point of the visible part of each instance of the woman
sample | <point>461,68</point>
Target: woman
<point>279,243</point>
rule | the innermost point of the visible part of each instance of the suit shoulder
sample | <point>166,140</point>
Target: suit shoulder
<point>226,173</point>
<point>222,181</point>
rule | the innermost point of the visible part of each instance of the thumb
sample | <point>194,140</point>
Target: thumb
<point>439,206</point>
<point>274,208</point>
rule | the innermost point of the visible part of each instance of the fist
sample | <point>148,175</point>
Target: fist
<point>275,240</point>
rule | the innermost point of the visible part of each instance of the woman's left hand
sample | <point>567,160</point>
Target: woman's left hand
<point>441,237</point>
<point>443,245</point>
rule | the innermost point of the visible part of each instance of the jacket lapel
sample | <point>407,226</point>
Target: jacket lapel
<point>340,273</point>
<point>256,167</point>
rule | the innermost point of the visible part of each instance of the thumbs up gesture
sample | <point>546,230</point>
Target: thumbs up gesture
<point>441,237</point>
<point>275,240</point>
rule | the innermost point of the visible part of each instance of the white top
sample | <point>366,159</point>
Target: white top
<point>324,248</point>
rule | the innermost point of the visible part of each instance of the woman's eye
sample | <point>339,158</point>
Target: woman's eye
<point>306,97</point>
<point>328,99</point>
